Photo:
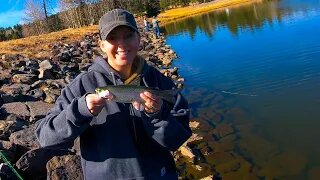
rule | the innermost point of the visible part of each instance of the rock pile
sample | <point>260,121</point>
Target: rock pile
<point>28,89</point>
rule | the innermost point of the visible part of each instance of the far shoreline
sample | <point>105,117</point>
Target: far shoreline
<point>174,14</point>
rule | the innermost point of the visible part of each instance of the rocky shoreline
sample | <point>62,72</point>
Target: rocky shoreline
<point>29,88</point>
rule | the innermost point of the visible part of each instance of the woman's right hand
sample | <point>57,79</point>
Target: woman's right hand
<point>95,103</point>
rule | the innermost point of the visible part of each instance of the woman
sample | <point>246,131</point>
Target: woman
<point>118,140</point>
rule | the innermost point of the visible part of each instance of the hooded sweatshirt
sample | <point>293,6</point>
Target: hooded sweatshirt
<point>120,142</point>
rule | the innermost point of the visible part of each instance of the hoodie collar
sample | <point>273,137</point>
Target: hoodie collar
<point>102,66</point>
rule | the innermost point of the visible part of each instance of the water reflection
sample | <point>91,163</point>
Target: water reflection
<point>251,17</point>
<point>252,81</point>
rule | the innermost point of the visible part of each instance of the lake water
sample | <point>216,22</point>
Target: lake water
<point>263,59</point>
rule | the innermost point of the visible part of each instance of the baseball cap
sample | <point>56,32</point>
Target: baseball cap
<point>115,18</point>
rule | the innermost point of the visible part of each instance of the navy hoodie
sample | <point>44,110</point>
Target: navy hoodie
<point>120,142</point>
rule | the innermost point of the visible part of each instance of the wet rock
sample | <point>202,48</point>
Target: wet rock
<point>65,167</point>
<point>314,173</point>
<point>194,124</point>
<point>223,130</point>
<point>257,148</point>
<point>187,152</point>
<point>283,165</point>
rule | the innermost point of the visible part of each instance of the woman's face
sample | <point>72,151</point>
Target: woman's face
<point>121,47</point>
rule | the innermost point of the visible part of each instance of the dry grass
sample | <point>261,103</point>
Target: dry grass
<point>37,46</point>
<point>179,13</point>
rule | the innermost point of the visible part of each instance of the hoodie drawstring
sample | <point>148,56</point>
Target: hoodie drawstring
<point>113,78</point>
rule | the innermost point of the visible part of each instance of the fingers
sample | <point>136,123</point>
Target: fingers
<point>95,103</point>
<point>138,106</point>
<point>152,102</point>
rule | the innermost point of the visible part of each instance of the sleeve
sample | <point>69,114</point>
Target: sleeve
<point>168,130</point>
<point>67,119</point>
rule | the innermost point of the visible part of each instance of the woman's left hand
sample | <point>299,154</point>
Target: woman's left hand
<point>152,103</point>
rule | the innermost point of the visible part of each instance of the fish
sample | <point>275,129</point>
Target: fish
<point>131,93</point>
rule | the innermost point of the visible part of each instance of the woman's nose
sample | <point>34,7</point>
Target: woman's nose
<point>122,42</point>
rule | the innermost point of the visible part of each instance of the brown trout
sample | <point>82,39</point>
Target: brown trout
<point>130,93</point>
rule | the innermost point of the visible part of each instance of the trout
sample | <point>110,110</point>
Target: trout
<point>130,93</point>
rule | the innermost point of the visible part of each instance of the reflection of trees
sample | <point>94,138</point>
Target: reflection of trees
<point>251,17</point>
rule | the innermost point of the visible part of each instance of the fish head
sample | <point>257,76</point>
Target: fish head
<point>103,92</point>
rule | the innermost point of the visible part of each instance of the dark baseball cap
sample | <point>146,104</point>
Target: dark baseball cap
<point>115,18</point>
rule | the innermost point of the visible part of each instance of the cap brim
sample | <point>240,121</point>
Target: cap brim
<point>104,33</point>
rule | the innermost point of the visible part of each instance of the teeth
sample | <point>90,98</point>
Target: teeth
<point>122,52</point>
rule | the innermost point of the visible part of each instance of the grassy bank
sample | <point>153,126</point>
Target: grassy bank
<point>179,13</point>
<point>36,46</point>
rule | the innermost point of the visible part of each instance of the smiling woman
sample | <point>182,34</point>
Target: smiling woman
<point>119,139</point>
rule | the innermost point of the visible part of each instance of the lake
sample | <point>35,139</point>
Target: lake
<point>256,69</point>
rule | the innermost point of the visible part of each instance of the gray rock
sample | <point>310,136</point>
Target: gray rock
<point>33,163</point>
<point>17,108</point>
<point>65,167</point>
<point>15,89</point>
<point>25,139</point>
<point>11,124</point>
<point>45,65</point>
<point>38,110</point>
<point>6,173</point>
<point>23,78</point>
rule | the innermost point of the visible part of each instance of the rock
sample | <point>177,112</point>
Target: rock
<point>10,125</point>
<point>33,163</point>
<point>38,109</point>
<point>15,89</point>
<point>45,65</point>
<point>65,56</point>
<point>5,77</point>
<point>224,130</point>
<point>23,78</point>
<point>314,173</point>
<point>7,98</point>
<point>194,124</point>
<point>7,145</point>
<point>6,172</point>
<point>17,108</point>
<point>65,167</point>
<point>257,148</point>
<point>25,139</point>
<point>284,165</point>
<point>187,152</point>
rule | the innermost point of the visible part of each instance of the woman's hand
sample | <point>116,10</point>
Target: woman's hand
<point>95,103</point>
<point>152,103</point>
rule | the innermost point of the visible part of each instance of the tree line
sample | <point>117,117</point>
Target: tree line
<point>41,18</point>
